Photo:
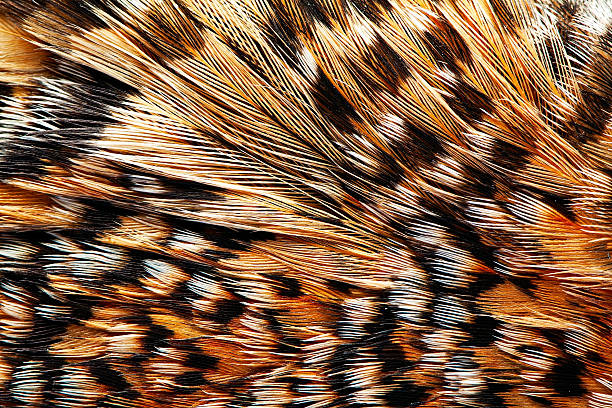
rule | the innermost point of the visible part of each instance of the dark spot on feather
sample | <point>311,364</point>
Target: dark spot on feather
<point>481,183</point>
<point>81,12</point>
<point>393,357</point>
<point>353,190</point>
<point>286,286</point>
<point>102,215</point>
<point>227,309</point>
<point>141,319</point>
<point>388,64</point>
<point>592,118</point>
<point>129,394</point>
<point>338,365</point>
<point>19,12</point>
<point>270,316</point>
<point>555,336</point>
<point>447,47</point>
<point>85,13</point>
<point>80,306</point>
<point>509,156</point>
<point>243,399</point>
<point>333,105</point>
<point>223,237</point>
<point>440,52</point>
<point>245,237</point>
<point>385,171</point>
<point>421,146</point>
<point>105,82</point>
<point>525,348</point>
<point>106,375</point>
<point>201,361</point>
<point>156,336</point>
<point>172,32</point>
<point>504,15</point>
<point>283,38</point>
<point>298,404</point>
<point>468,102</point>
<point>498,386</point>
<point>191,379</point>
<point>372,8</point>
<point>406,394</point>
<point>456,45</point>
<point>556,69</point>
<point>470,240</point>
<point>485,282</point>
<point>218,255</point>
<point>386,320</point>
<point>289,345</point>
<point>130,272</point>
<point>342,287</point>
<point>490,397</point>
<point>249,59</point>
<point>594,357</point>
<point>541,400</point>
<point>5,91</point>
<point>389,171</point>
<point>180,301</point>
<point>380,333</point>
<point>597,321</point>
<point>313,10</point>
<point>182,291</point>
<point>565,377</point>
<point>525,284</point>
<point>168,187</point>
<point>295,383</point>
<point>193,268</point>
<point>190,190</point>
<point>482,331</point>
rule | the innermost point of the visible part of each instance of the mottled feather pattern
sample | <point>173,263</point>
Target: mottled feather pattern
<point>306,203</point>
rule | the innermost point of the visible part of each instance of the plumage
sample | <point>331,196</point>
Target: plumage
<point>305,203</point>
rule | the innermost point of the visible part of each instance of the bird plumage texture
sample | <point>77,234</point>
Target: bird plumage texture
<point>306,203</point>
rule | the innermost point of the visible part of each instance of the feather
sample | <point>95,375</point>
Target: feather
<point>305,203</point>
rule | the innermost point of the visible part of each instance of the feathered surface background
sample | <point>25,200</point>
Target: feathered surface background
<point>306,203</point>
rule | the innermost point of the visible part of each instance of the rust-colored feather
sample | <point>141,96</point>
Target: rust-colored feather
<point>305,203</point>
